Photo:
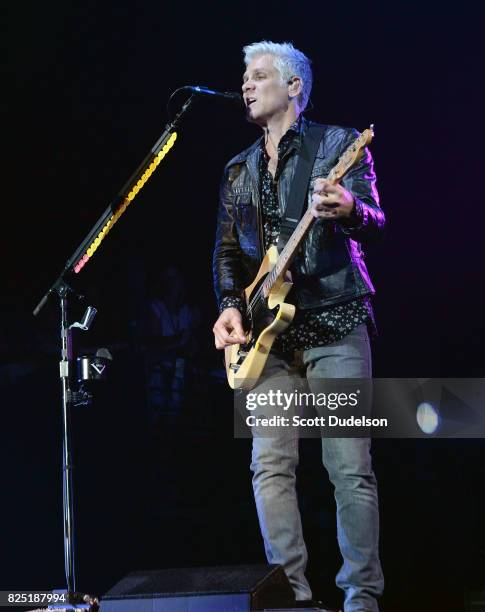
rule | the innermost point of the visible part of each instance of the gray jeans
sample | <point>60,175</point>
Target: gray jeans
<point>349,466</point>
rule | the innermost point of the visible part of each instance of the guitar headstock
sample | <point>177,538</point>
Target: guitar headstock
<point>352,154</point>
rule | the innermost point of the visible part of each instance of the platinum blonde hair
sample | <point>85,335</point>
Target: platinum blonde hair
<point>288,61</point>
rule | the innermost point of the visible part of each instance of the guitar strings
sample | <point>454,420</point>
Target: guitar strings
<point>258,293</point>
<point>295,237</point>
<point>256,303</point>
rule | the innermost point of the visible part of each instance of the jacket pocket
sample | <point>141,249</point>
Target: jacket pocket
<point>243,206</point>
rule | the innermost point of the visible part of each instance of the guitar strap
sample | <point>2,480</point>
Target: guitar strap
<point>299,185</point>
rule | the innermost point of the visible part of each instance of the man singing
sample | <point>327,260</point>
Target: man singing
<point>332,294</point>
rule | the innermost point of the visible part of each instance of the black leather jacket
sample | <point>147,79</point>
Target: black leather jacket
<point>330,267</point>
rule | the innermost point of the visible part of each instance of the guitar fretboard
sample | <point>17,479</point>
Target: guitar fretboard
<point>346,161</point>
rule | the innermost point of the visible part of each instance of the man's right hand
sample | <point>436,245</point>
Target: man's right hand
<point>228,329</point>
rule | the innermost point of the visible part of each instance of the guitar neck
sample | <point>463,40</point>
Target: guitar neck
<point>347,160</point>
<point>288,253</point>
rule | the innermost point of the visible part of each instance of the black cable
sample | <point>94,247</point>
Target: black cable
<point>170,99</point>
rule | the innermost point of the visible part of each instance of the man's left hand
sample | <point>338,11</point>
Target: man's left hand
<point>331,201</point>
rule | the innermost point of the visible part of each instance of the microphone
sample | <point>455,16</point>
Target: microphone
<point>229,95</point>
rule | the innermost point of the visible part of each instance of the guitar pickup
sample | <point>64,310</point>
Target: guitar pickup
<point>242,353</point>
<point>234,367</point>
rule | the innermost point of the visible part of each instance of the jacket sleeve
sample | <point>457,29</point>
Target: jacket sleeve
<point>367,220</point>
<point>226,263</point>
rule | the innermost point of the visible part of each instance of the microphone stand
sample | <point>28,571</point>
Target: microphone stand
<point>70,599</point>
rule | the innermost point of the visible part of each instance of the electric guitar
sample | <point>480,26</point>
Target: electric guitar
<point>267,313</point>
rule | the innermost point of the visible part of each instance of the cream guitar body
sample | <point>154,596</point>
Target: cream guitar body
<point>245,363</point>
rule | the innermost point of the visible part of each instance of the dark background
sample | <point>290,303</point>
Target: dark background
<point>85,87</point>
